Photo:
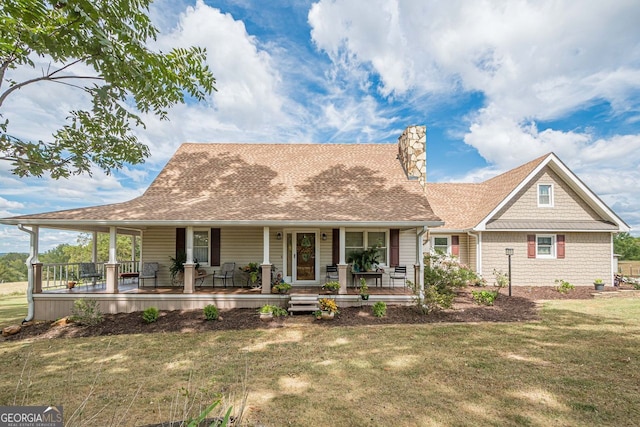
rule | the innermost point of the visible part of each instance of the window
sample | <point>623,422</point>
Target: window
<point>545,195</point>
<point>359,240</point>
<point>545,246</point>
<point>201,246</point>
<point>441,245</point>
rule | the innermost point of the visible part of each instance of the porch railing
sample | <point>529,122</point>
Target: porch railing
<point>57,275</point>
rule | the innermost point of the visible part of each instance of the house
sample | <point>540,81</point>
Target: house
<point>292,208</point>
<point>556,226</point>
<point>297,208</point>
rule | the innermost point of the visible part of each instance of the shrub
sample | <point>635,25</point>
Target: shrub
<point>563,286</point>
<point>211,312</point>
<point>150,315</point>
<point>502,279</point>
<point>442,276</point>
<point>332,286</point>
<point>86,312</point>
<point>379,309</point>
<point>484,297</point>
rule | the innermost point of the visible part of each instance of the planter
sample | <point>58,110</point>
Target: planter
<point>599,286</point>
<point>364,297</point>
<point>71,285</point>
<point>266,317</point>
<point>327,315</point>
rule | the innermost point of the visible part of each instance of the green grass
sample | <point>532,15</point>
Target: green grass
<point>578,366</point>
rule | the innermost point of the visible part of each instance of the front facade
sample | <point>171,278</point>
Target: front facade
<point>294,209</point>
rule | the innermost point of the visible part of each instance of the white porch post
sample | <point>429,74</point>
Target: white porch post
<point>112,264</point>
<point>342,265</point>
<point>36,266</point>
<point>266,262</point>
<point>133,253</point>
<point>418,268</point>
<point>94,247</point>
<point>189,266</point>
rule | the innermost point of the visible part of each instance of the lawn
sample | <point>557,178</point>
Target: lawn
<point>13,303</point>
<point>579,366</point>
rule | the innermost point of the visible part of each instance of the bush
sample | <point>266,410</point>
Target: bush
<point>563,286</point>
<point>211,312</point>
<point>86,312</point>
<point>442,276</point>
<point>380,309</point>
<point>484,297</point>
<point>150,315</point>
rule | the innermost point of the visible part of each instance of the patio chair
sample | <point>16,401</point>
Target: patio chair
<point>225,273</point>
<point>332,274</point>
<point>399,273</point>
<point>149,271</point>
<point>88,272</point>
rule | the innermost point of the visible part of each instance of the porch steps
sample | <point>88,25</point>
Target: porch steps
<point>303,302</point>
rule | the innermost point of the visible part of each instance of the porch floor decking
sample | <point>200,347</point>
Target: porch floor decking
<point>132,288</point>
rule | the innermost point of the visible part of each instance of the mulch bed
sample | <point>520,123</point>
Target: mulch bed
<point>521,306</point>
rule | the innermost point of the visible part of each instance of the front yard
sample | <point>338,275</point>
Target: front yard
<point>577,365</point>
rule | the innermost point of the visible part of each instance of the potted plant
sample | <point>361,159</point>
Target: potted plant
<point>317,314</point>
<point>598,284</point>
<point>177,266</point>
<point>332,286</point>
<point>364,260</point>
<point>252,270</point>
<point>364,289</point>
<point>328,307</point>
<point>268,312</point>
<point>282,288</point>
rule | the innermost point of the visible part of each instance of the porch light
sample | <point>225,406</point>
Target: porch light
<point>279,235</point>
<point>508,252</point>
<point>324,236</point>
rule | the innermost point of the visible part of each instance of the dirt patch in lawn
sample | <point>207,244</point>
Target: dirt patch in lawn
<point>521,306</point>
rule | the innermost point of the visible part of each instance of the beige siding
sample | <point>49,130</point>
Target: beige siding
<point>588,256</point>
<point>567,204</point>
<point>407,254</point>
<point>472,251</point>
<point>159,245</point>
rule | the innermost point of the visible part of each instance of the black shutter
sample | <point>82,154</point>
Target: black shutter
<point>394,240</point>
<point>335,248</point>
<point>215,246</point>
<point>181,234</point>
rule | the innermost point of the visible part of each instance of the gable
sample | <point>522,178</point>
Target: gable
<point>567,204</point>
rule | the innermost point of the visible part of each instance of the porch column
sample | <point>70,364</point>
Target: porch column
<point>266,261</point>
<point>189,266</point>
<point>342,265</point>
<point>418,267</point>
<point>94,247</point>
<point>111,266</point>
<point>37,277</point>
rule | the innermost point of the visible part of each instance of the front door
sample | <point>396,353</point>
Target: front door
<point>302,256</point>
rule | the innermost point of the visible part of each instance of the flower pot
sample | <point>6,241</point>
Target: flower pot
<point>599,286</point>
<point>266,317</point>
<point>71,285</point>
<point>327,315</point>
<point>364,297</point>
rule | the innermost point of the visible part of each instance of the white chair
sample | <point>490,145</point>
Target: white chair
<point>399,273</point>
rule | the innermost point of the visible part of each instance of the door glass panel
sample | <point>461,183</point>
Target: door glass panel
<point>305,256</point>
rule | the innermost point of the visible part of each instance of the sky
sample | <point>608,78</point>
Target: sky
<point>496,83</point>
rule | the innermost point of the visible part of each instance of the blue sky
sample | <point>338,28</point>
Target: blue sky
<point>496,83</point>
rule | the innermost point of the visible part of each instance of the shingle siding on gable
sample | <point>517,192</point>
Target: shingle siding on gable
<point>567,204</point>
<point>587,257</point>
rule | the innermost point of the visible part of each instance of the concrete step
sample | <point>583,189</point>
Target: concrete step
<point>303,302</point>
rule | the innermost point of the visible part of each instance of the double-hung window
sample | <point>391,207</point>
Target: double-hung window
<point>545,195</point>
<point>357,241</point>
<point>441,245</point>
<point>545,246</point>
<point>201,247</point>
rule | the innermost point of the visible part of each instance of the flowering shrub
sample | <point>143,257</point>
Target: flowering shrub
<point>443,274</point>
<point>328,304</point>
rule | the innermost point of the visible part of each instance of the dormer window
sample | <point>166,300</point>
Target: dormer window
<point>545,195</point>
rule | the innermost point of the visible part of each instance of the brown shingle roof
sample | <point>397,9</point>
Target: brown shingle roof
<point>463,206</point>
<point>272,182</point>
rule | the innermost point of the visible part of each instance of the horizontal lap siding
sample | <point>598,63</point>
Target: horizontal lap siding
<point>588,256</point>
<point>407,253</point>
<point>159,245</point>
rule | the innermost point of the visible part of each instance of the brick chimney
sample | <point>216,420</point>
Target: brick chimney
<point>412,153</point>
